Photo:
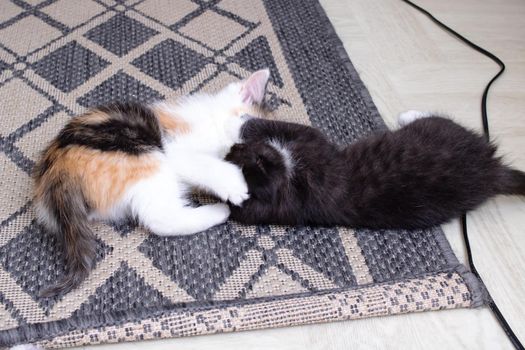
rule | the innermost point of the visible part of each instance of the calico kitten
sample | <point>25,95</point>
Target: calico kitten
<point>128,159</point>
<point>424,174</point>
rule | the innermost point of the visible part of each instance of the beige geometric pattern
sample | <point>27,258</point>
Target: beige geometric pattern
<point>235,284</point>
<point>16,110</point>
<point>204,29</point>
<point>11,176</point>
<point>29,27</point>
<point>166,11</point>
<point>8,11</point>
<point>73,12</point>
<point>37,139</point>
<point>355,256</point>
<point>275,282</point>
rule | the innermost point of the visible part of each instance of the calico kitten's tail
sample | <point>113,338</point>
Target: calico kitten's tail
<point>68,210</point>
<point>513,182</point>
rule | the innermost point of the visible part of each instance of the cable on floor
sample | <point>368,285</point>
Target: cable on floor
<point>484,118</point>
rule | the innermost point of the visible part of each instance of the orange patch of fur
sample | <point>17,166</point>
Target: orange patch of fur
<point>171,123</point>
<point>104,176</point>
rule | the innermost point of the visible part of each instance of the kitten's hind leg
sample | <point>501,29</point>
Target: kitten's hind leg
<point>185,220</point>
<point>160,204</point>
<point>408,117</point>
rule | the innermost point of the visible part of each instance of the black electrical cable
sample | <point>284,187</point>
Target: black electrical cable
<point>484,118</point>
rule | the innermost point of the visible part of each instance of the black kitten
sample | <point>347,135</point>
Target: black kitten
<point>424,174</point>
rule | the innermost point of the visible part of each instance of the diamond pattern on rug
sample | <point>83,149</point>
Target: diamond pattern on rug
<point>322,250</point>
<point>15,110</point>
<point>199,263</point>
<point>204,29</point>
<point>167,11</point>
<point>272,279</point>
<point>33,250</point>
<point>124,290</point>
<point>120,87</point>
<point>32,143</point>
<point>15,184</point>
<point>218,82</point>
<point>9,10</point>
<point>258,55</point>
<point>73,12</point>
<point>120,34</point>
<point>171,63</point>
<point>398,254</point>
<point>69,66</point>
<point>29,27</point>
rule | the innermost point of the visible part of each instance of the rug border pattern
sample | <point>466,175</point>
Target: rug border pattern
<point>447,289</point>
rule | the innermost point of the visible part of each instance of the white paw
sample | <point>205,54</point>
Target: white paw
<point>408,117</point>
<point>236,194</point>
<point>26,347</point>
<point>238,199</point>
<point>233,187</point>
<point>218,213</point>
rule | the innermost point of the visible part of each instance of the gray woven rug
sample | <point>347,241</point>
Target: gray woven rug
<point>58,57</point>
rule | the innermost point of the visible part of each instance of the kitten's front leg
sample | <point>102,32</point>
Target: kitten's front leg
<point>233,128</point>
<point>215,175</point>
<point>232,135</point>
<point>158,203</point>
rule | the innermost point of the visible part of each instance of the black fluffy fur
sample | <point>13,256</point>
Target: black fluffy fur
<point>421,175</point>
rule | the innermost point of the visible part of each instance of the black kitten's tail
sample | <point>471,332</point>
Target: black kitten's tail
<point>513,182</point>
<point>68,209</point>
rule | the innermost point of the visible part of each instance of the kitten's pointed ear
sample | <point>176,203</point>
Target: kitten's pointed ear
<point>254,87</point>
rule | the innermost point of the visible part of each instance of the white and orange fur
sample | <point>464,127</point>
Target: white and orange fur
<point>153,187</point>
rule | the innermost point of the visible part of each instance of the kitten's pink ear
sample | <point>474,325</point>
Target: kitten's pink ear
<point>254,87</point>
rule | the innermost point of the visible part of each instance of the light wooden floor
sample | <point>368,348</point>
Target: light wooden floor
<point>408,63</point>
